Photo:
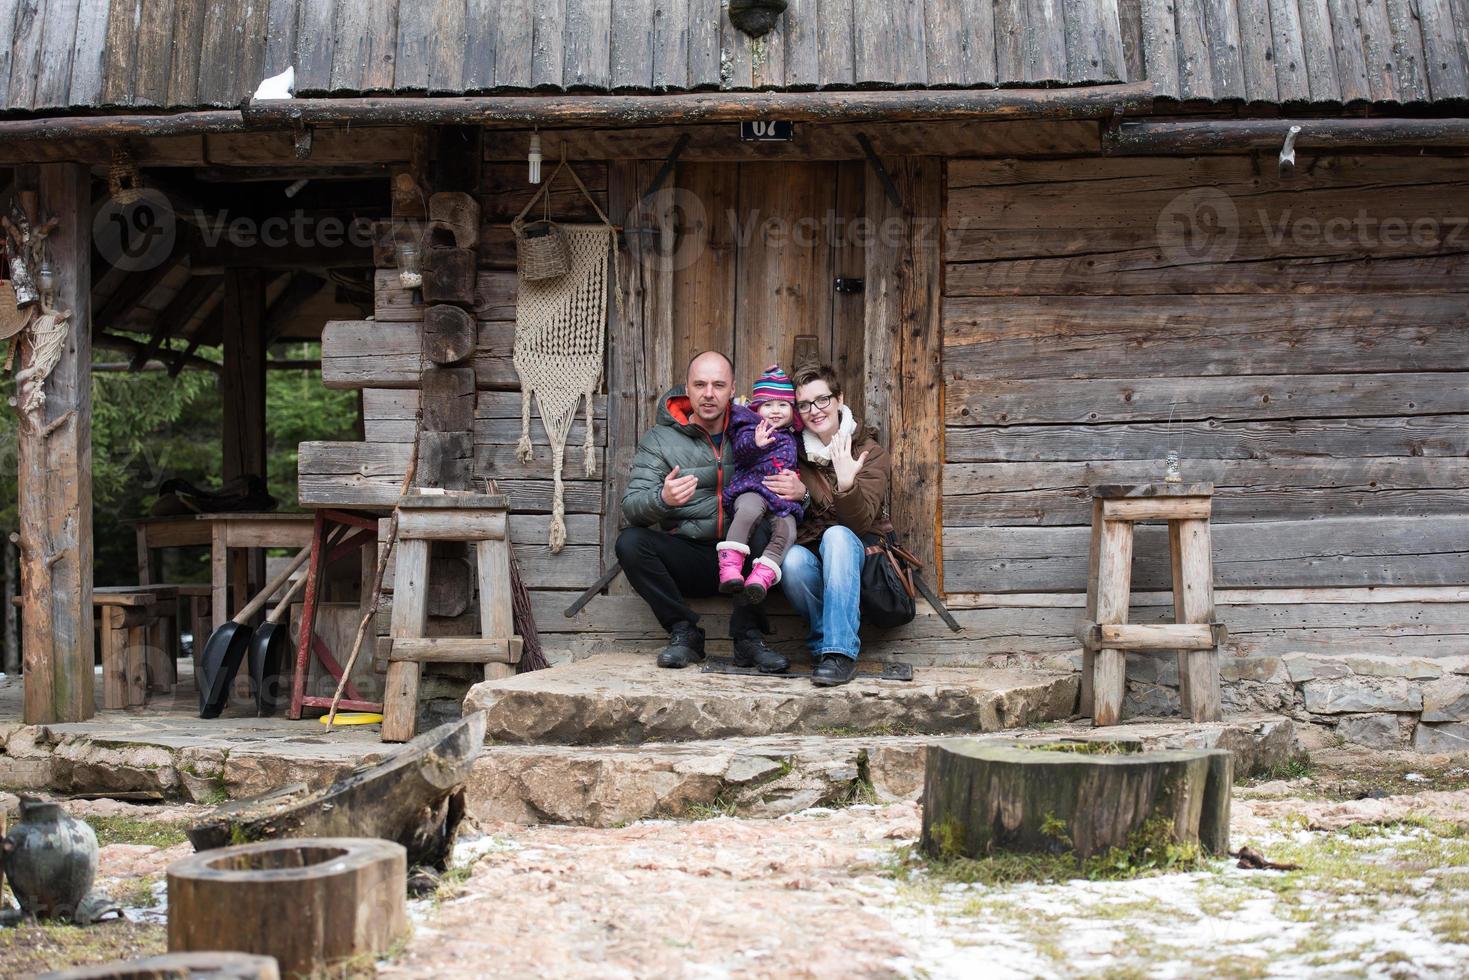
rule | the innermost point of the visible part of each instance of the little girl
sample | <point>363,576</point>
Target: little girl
<point>764,443</point>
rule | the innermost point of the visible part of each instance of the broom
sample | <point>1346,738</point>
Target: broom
<point>531,657</point>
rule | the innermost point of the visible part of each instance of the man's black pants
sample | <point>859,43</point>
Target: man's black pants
<point>665,569</point>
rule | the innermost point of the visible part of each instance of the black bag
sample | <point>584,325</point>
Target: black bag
<point>887,582</point>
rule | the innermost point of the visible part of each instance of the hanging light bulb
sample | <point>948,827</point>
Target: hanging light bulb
<point>535,157</point>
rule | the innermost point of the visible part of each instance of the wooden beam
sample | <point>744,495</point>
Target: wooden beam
<point>1089,102</point>
<point>301,288</point>
<point>114,127</point>
<point>1239,135</point>
<point>177,313</point>
<point>242,383</point>
<point>55,478</point>
<point>133,289</point>
<point>137,348</point>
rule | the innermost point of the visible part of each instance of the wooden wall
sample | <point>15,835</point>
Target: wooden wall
<point>1313,364</point>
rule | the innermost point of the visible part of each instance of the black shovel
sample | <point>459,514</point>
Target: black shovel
<point>228,644</point>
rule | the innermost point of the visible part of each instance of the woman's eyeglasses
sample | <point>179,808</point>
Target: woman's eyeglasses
<point>820,401</point>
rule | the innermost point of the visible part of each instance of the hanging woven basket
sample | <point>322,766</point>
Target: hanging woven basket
<point>541,250</point>
<point>12,319</point>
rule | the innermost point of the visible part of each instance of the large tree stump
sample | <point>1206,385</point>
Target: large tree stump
<point>310,903</point>
<point>414,797</point>
<point>980,797</point>
<point>176,966</point>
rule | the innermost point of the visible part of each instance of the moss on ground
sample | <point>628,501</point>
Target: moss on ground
<point>33,948</point>
<point>132,830</point>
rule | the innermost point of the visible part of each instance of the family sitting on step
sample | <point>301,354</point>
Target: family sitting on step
<point>705,479</point>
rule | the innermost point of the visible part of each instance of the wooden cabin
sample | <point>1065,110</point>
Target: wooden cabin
<point>1046,243</point>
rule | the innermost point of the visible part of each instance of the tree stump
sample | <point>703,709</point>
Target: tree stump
<point>176,966</point>
<point>981,796</point>
<point>310,903</point>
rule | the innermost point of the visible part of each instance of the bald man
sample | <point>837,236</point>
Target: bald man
<point>672,505</point>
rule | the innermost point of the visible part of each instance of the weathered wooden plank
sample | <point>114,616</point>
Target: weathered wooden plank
<point>1045,49</point>
<point>117,52</point>
<point>417,31</point>
<point>1328,551</point>
<point>1226,57</point>
<point>25,53</point>
<point>1090,33</point>
<point>494,298</point>
<point>1137,271</point>
<point>632,50</point>
<point>1247,490</point>
<point>280,38</point>
<point>588,45</point>
<point>706,33</point>
<point>188,45</point>
<point>151,54</point>
<point>1381,55</point>
<point>1351,63</point>
<point>1257,48</point>
<point>801,47</point>
<point>514,43</point>
<point>1446,61</point>
<point>768,62</point>
<point>1407,44</point>
<point>881,314</point>
<point>1290,52</point>
<point>624,351</point>
<point>888,42</point>
<point>315,45</point>
<point>9,10</point>
<point>1195,58</point>
<point>366,44</point>
<point>1071,337</point>
<point>480,24</point>
<point>374,353</point>
<point>387,406</point>
<point>849,260</point>
<point>1160,46</point>
<point>834,43</point>
<point>88,57</point>
<point>504,190</point>
<point>1318,40</point>
<point>236,41</point>
<point>450,49</point>
<point>548,43</point>
<point>58,43</point>
<point>736,56</point>
<point>1016,402</point>
<point>1291,438</point>
<point>669,57</point>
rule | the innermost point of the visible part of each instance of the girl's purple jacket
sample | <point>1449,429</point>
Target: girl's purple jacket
<point>753,464</point>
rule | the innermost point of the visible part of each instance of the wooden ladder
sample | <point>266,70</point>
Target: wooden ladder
<point>1106,636</point>
<point>478,518</point>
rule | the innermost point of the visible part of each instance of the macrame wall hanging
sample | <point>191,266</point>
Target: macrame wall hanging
<point>560,335</point>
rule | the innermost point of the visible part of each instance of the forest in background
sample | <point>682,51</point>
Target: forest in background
<point>148,427</point>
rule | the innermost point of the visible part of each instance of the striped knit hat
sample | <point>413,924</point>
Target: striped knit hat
<point>772,386</point>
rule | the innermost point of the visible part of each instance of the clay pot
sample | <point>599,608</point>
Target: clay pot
<point>50,859</point>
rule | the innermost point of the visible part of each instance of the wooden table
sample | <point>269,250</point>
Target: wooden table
<point>228,536</point>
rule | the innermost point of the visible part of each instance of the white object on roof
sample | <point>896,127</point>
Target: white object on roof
<point>281,86</point>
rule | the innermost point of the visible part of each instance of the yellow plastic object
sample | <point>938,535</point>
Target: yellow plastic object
<point>353,718</point>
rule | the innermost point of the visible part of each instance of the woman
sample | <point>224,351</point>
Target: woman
<point>845,473</point>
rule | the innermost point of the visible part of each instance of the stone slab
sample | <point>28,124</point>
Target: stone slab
<point>611,785</point>
<point>1451,738</point>
<point>625,698</point>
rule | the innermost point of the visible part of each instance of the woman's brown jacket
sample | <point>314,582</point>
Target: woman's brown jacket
<point>863,508</point>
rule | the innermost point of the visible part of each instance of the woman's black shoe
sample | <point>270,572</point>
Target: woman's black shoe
<point>834,670</point>
<point>685,646</point>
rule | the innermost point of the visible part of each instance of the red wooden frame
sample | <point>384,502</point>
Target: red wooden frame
<point>307,642</point>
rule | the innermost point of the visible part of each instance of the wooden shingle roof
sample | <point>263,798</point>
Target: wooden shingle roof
<point>184,54</point>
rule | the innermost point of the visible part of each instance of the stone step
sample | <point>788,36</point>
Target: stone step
<point>611,785</point>
<point>620,698</point>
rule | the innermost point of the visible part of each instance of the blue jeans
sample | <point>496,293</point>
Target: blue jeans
<point>826,590</point>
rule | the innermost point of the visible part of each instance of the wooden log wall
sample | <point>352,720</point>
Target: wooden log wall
<point>1305,350</point>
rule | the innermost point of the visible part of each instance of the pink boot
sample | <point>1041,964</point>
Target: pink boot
<point>764,574</point>
<point>731,566</point>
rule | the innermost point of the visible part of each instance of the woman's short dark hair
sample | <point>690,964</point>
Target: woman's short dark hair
<point>819,372</point>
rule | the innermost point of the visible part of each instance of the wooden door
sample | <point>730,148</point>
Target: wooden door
<point>762,245</point>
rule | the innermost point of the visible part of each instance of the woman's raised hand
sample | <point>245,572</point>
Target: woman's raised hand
<point>764,433</point>
<point>842,464</point>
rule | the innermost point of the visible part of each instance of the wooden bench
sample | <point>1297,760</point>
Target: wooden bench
<point>139,633</point>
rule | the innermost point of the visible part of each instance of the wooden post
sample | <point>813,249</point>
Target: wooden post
<point>55,478</point>
<point>1114,584</point>
<point>903,383</point>
<point>10,661</point>
<point>1193,600</point>
<point>242,382</point>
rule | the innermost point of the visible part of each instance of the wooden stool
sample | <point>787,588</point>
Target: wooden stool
<point>138,632</point>
<point>1107,636</point>
<point>483,519</point>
